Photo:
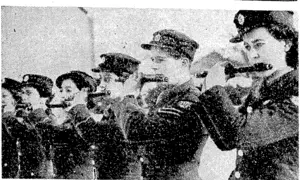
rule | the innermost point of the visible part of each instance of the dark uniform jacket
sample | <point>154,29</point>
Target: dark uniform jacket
<point>264,130</point>
<point>9,147</point>
<point>171,133</point>
<point>86,149</point>
<point>123,162</point>
<point>33,144</point>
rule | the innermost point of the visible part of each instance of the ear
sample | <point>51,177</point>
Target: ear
<point>185,62</point>
<point>287,46</point>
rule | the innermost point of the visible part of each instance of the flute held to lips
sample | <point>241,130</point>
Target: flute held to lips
<point>153,78</point>
<point>62,105</point>
<point>258,67</point>
<point>231,70</point>
<point>99,94</point>
<point>145,78</point>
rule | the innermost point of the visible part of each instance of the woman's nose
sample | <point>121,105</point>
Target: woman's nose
<point>62,95</point>
<point>253,55</point>
<point>23,97</point>
<point>103,85</point>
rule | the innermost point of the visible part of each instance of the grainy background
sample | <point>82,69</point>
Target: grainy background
<point>54,40</point>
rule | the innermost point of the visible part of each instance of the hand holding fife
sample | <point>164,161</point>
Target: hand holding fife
<point>216,76</point>
<point>133,85</point>
<point>58,116</point>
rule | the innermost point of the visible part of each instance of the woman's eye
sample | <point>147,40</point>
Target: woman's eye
<point>247,47</point>
<point>68,90</point>
<point>157,59</point>
<point>107,79</point>
<point>258,45</point>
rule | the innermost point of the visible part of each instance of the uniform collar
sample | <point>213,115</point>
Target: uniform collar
<point>76,107</point>
<point>169,94</point>
<point>37,115</point>
<point>184,86</point>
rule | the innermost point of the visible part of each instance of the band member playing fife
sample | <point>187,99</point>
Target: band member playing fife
<point>35,159</point>
<point>80,142</point>
<point>72,152</point>
<point>10,162</point>
<point>123,161</point>
<point>265,128</point>
<point>172,133</point>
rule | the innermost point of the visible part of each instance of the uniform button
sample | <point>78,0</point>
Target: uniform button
<point>237,174</point>
<point>93,147</point>
<point>249,109</point>
<point>92,162</point>
<point>19,153</point>
<point>32,174</point>
<point>142,159</point>
<point>5,164</point>
<point>240,153</point>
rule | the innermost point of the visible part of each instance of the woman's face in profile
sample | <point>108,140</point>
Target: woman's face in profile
<point>262,47</point>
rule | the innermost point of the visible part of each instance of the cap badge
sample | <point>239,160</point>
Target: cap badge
<point>2,80</point>
<point>101,60</point>
<point>157,37</point>
<point>26,78</point>
<point>241,19</point>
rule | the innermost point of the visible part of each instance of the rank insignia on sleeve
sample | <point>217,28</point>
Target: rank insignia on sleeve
<point>185,104</point>
<point>169,112</point>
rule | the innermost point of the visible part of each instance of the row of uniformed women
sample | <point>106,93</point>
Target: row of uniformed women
<point>69,142</point>
<point>174,131</point>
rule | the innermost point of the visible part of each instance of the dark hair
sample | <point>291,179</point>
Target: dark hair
<point>77,83</point>
<point>175,54</point>
<point>14,94</point>
<point>288,34</point>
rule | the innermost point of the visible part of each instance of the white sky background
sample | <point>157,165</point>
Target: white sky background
<point>123,30</point>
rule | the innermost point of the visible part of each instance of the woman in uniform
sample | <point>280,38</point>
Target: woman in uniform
<point>10,89</point>
<point>123,162</point>
<point>265,128</point>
